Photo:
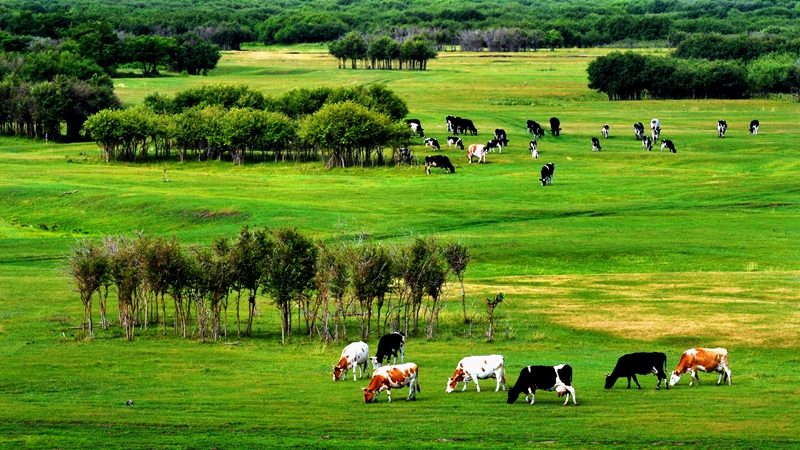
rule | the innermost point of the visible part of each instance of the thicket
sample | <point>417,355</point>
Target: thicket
<point>342,127</point>
<point>380,287</point>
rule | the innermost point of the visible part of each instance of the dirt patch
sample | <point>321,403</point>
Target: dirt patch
<point>207,214</point>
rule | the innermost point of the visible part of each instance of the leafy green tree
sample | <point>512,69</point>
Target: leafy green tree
<point>354,47</point>
<point>99,42</point>
<point>89,267</point>
<point>149,51</point>
<point>554,39</point>
<point>194,55</point>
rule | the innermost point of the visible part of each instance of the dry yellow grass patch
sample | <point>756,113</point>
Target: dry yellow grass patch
<point>744,308</point>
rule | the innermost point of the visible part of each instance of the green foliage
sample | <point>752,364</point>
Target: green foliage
<point>150,51</point>
<point>194,55</point>
<point>774,72</point>
<point>100,43</point>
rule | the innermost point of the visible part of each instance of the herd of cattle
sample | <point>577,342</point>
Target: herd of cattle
<point>557,378</point>
<point>458,125</point>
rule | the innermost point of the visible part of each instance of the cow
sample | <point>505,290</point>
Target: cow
<point>655,129</point>
<point>387,378</point>
<point>555,126</point>
<point>440,161</point>
<point>415,126</point>
<point>451,120</point>
<point>404,155</point>
<point>478,151</point>
<point>547,378</point>
<point>354,356</point>
<point>604,131</point>
<point>647,143</point>
<point>455,141</point>
<point>466,125</point>
<point>499,134</point>
<point>390,345</point>
<point>754,127</point>
<point>596,145</point>
<point>432,142</point>
<point>666,143</point>
<point>478,368</point>
<point>704,360</point>
<point>722,126</point>
<point>535,129</point>
<point>634,364</point>
<point>547,174</point>
<point>534,151</point>
<point>638,129</point>
<point>494,144</point>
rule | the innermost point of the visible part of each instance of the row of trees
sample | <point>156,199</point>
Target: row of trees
<point>380,52</point>
<point>382,287</point>
<point>633,76</point>
<point>508,40</point>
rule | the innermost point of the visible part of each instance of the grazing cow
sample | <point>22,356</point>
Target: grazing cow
<point>535,129</point>
<point>455,141</point>
<point>555,126</point>
<point>704,360</point>
<point>639,363</point>
<point>754,126</point>
<point>647,143</point>
<point>354,356</point>
<point>547,378</point>
<point>604,131</point>
<point>387,378</point>
<point>450,120</point>
<point>596,145</point>
<point>390,345</point>
<point>432,142</point>
<point>478,368</point>
<point>415,126</point>
<point>547,174</point>
<point>666,143</point>
<point>440,161</point>
<point>534,151</point>
<point>466,126</point>
<point>722,126</point>
<point>655,129</point>
<point>494,144</point>
<point>478,151</point>
<point>638,128</point>
<point>499,134</point>
<point>404,155</point>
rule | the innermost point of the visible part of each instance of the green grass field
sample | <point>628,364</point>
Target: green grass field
<point>627,251</point>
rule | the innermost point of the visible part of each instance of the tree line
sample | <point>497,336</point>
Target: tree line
<point>352,282</point>
<point>633,76</point>
<point>342,127</point>
<point>380,52</point>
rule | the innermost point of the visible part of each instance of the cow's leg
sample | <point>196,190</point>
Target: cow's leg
<point>465,385</point>
<point>638,386</point>
<point>721,374</point>
<point>571,390</point>
<point>697,376</point>
<point>728,374</point>
<point>402,354</point>
<point>389,394</point>
<point>499,377</point>
<point>629,382</point>
<point>533,395</point>
<point>475,380</point>
<point>412,394</point>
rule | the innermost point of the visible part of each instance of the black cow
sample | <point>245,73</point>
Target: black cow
<point>451,120</point>
<point>455,141</point>
<point>440,161</point>
<point>630,365</point>
<point>722,126</point>
<point>392,343</point>
<point>647,143</point>
<point>535,129</point>
<point>555,126</point>
<point>547,378</point>
<point>604,131</point>
<point>465,126</point>
<point>432,142</point>
<point>404,156</point>
<point>415,126</point>
<point>638,128</point>
<point>596,145</point>
<point>499,134</point>
<point>534,151</point>
<point>547,174</point>
<point>666,143</point>
<point>754,126</point>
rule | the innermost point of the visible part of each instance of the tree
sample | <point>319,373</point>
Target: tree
<point>194,55</point>
<point>89,267</point>
<point>149,51</point>
<point>457,257</point>
<point>354,47</point>
<point>248,257</point>
<point>554,39</point>
<point>491,305</point>
<point>98,41</point>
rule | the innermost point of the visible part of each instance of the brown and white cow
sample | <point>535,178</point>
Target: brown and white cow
<point>354,356</point>
<point>477,151</point>
<point>387,378</point>
<point>703,360</point>
<point>478,368</point>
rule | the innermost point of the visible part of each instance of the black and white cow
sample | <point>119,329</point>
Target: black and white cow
<point>494,144</point>
<point>432,142</point>
<point>535,129</point>
<point>638,128</point>
<point>555,126</point>
<point>754,126</point>
<point>451,121</point>
<point>647,143</point>
<point>534,151</point>
<point>666,143</point>
<point>655,129</point>
<point>499,134</point>
<point>604,131</point>
<point>547,378</point>
<point>391,344</point>
<point>455,141</point>
<point>596,145</point>
<point>415,126</point>
<point>547,174</point>
<point>404,156</point>
<point>632,364</point>
<point>722,126</point>
<point>466,126</point>
<point>440,161</point>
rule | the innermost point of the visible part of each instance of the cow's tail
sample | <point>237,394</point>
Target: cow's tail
<point>416,381</point>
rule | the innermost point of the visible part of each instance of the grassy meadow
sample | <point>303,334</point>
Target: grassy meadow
<point>627,251</point>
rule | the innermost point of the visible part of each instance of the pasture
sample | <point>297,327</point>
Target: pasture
<point>627,251</point>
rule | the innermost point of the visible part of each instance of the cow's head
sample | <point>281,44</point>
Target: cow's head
<point>374,359</point>
<point>337,373</point>
<point>452,382</point>
<point>610,381</point>
<point>369,394</point>
<point>674,378</point>
<point>513,395</point>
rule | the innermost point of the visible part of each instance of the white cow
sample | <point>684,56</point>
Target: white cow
<point>354,356</point>
<point>478,368</point>
<point>655,129</point>
<point>478,151</point>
